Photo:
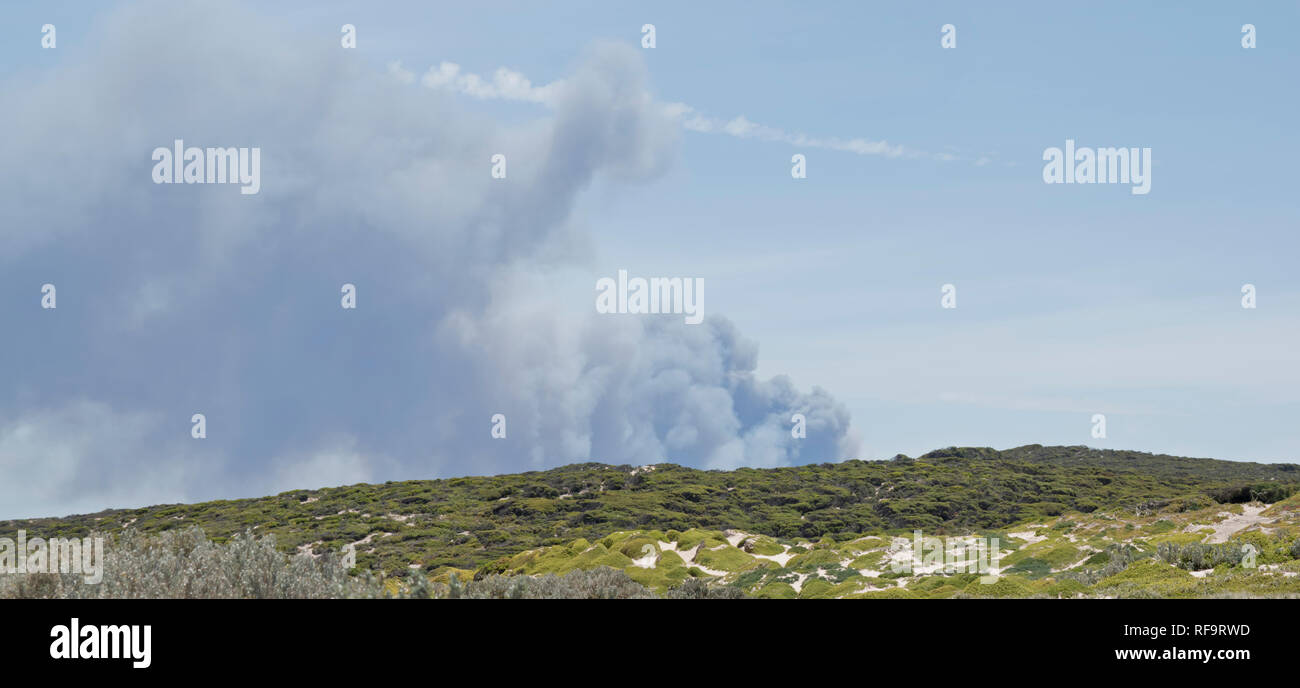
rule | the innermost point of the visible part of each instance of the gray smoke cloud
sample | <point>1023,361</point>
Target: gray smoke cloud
<point>175,300</point>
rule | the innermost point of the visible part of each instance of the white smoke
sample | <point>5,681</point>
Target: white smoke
<point>182,299</point>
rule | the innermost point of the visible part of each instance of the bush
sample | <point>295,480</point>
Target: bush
<point>1192,503</point>
<point>596,584</point>
<point>695,589</point>
<point>1031,567</point>
<point>1197,556</point>
<point>1256,492</point>
<point>1117,558</point>
<point>183,563</point>
<point>498,566</point>
<point>1004,586</point>
<point>635,547</point>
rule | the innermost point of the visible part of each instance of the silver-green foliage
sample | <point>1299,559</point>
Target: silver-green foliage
<point>602,583</point>
<point>184,563</point>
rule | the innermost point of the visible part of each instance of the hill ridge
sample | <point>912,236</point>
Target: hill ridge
<point>466,522</point>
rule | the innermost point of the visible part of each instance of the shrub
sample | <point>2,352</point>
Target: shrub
<point>1161,526</point>
<point>777,590</point>
<point>727,559</point>
<point>761,545</point>
<point>1197,556</point>
<point>1191,503</point>
<point>1031,567</point>
<point>183,563</point>
<point>694,589</point>
<point>815,588</point>
<point>635,547</point>
<point>1004,586</point>
<point>1254,492</point>
<point>1117,558</point>
<point>811,561</point>
<point>596,584</point>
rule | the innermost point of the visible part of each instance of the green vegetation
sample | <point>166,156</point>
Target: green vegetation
<point>468,522</point>
<point>1070,521</point>
<point>185,564</point>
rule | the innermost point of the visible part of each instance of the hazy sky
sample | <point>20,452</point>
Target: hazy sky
<point>475,295</point>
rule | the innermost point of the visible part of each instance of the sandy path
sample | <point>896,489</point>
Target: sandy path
<point>1237,522</point>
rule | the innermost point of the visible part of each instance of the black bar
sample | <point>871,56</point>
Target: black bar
<point>939,639</point>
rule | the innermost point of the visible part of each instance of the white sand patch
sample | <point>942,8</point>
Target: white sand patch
<point>781,559</point>
<point>366,540</point>
<point>688,556</point>
<point>709,571</point>
<point>1237,522</point>
<point>1028,536</point>
<point>1276,568</point>
<point>901,557</point>
<point>1086,557</point>
<point>647,562</point>
<point>866,588</point>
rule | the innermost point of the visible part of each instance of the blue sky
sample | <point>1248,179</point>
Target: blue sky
<point>1072,300</point>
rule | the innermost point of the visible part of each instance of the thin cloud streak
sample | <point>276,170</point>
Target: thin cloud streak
<point>509,85</point>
